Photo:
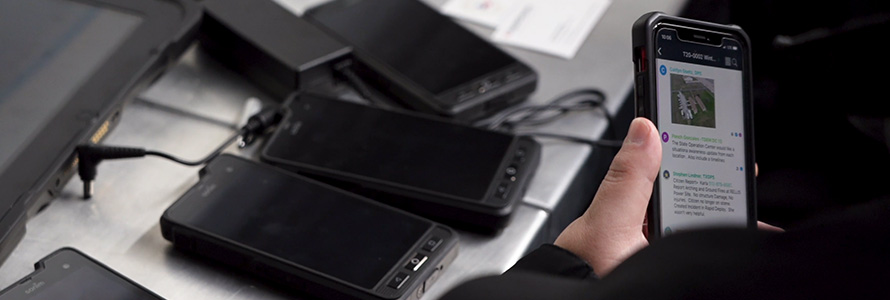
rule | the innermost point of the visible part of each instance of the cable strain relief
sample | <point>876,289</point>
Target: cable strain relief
<point>111,152</point>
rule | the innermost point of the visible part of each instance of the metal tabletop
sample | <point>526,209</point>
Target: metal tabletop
<point>195,106</point>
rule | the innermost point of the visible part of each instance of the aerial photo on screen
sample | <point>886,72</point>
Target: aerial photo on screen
<point>692,100</point>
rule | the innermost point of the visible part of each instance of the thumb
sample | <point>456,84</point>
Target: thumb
<point>622,198</point>
<point>609,231</point>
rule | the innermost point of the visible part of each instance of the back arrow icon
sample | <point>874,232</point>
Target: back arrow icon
<point>659,50</point>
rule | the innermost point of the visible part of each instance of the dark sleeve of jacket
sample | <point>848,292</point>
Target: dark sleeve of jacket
<point>842,256</point>
<point>552,260</point>
<point>538,275</point>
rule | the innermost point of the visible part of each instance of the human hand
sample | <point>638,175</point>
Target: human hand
<point>609,231</point>
<point>761,225</point>
<point>612,228</point>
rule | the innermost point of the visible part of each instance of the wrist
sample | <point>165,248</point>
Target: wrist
<point>576,239</point>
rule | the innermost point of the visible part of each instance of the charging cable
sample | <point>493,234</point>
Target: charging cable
<point>344,69</point>
<point>89,155</point>
<point>536,115</point>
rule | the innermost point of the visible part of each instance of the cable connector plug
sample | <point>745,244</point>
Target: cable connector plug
<point>89,157</point>
<point>258,124</point>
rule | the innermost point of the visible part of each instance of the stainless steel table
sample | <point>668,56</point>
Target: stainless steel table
<point>196,105</point>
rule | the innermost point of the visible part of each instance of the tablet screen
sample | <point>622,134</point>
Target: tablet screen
<point>49,49</point>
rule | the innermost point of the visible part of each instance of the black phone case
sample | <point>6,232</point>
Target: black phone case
<point>288,274</point>
<point>40,266</point>
<point>506,87</point>
<point>35,177</point>
<point>456,211</point>
<point>643,32</point>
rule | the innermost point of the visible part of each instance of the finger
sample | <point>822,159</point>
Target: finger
<point>623,195</point>
<point>756,170</point>
<point>768,227</point>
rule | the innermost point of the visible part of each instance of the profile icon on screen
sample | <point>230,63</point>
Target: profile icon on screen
<point>666,174</point>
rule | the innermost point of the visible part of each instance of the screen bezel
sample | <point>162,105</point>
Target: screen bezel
<point>658,22</point>
<point>51,271</point>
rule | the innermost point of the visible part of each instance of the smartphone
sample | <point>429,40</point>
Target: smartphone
<point>306,236</point>
<point>693,80</point>
<point>456,174</point>
<point>415,54</point>
<point>69,274</point>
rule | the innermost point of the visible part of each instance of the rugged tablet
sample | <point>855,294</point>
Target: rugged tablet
<point>68,66</point>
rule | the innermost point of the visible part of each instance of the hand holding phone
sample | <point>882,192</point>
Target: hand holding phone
<point>693,80</point>
<point>609,231</point>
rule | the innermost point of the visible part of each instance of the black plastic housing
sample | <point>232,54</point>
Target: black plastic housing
<point>190,236</point>
<point>643,32</point>
<point>63,265</point>
<point>268,44</point>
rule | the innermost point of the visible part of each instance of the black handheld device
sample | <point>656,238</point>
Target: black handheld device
<point>457,174</point>
<point>693,80</point>
<point>69,274</point>
<point>305,235</point>
<point>417,55</point>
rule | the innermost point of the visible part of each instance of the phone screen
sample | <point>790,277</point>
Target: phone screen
<point>701,118</point>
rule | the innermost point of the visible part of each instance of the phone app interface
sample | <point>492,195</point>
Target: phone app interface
<point>700,114</point>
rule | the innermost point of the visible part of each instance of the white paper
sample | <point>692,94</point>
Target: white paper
<point>556,27</point>
<point>488,13</point>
